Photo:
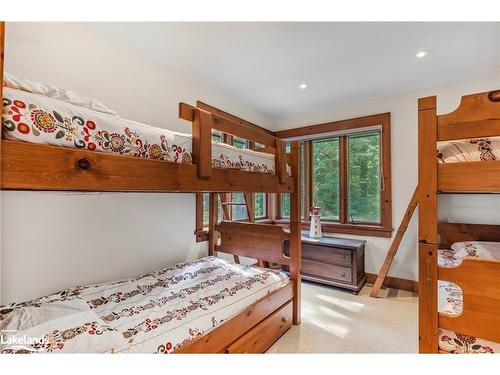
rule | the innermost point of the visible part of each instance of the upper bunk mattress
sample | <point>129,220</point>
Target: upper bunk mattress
<point>479,149</point>
<point>154,313</point>
<point>37,118</point>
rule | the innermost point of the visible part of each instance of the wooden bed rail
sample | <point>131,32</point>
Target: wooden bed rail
<point>459,232</point>
<point>203,123</point>
<point>258,241</point>
<point>481,297</point>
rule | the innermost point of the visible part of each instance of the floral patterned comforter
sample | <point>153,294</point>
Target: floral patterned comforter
<point>153,313</point>
<point>39,119</point>
<point>479,149</point>
<point>450,297</point>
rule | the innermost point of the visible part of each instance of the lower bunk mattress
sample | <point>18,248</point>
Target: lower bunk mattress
<point>450,297</point>
<point>37,118</point>
<point>153,313</point>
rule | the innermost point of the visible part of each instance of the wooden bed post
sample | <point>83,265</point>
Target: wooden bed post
<point>295,231</point>
<point>202,142</point>
<point>427,225</point>
<point>280,160</point>
<point>213,209</point>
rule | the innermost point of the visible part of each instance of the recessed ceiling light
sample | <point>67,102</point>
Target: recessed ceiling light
<point>421,54</point>
<point>303,86</point>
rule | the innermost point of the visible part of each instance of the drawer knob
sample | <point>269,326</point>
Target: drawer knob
<point>83,164</point>
<point>284,319</point>
<point>343,274</point>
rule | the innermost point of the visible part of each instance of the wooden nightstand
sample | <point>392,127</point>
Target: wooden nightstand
<point>334,261</point>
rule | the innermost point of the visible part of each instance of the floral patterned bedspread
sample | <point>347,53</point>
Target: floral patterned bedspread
<point>39,119</point>
<point>479,149</point>
<point>153,313</point>
<point>450,297</point>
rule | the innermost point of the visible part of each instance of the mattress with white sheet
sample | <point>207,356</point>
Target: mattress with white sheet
<point>465,150</point>
<point>450,297</point>
<point>153,313</point>
<point>36,118</point>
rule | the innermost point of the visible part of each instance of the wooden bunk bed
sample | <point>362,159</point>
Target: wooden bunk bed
<point>477,117</point>
<point>29,166</point>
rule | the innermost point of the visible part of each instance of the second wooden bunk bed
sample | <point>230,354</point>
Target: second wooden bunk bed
<point>28,166</point>
<point>477,117</point>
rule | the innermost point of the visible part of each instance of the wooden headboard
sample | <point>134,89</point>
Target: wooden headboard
<point>457,232</point>
<point>259,241</point>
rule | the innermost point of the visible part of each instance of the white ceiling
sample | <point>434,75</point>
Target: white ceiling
<point>262,64</point>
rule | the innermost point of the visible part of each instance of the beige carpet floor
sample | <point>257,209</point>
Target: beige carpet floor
<point>336,321</point>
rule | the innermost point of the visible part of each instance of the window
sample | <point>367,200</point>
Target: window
<point>260,200</point>
<point>325,178</point>
<point>346,175</point>
<point>238,212</point>
<point>363,171</point>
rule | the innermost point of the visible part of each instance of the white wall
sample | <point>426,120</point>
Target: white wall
<point>403,108</point>
<point>55,240</point>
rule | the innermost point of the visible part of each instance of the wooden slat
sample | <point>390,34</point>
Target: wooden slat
<point>478,279</point>
<point>391,253</point>
<point>481,107</point>
<point>295,233</point>
<point>257,241</point>
<point>236,119</point>
<point>465,130</point>
<point>202,143</point>
<point>458,232</point>
<point>225,125</point>
<point>473,176</point>
<point>26,166</point>
<point>217,340</point>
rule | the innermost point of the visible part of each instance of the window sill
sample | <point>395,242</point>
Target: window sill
<point>356,229</point>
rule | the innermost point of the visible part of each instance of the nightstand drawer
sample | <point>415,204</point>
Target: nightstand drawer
<point>325,254</point>
<point>330,271</point>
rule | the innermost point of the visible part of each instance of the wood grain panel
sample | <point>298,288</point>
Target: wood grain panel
<point>475,108</point>
<point>330,271</point>
<point>261,337</point>
<point>465,130</point>
<point>258,241</point>
<point>28,166</point>
<point>473,176</point>
<point>459,232</point>
<point>478,279</point>
<point>217,340</point>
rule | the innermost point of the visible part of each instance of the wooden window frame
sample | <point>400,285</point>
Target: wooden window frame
<point>344,226</point>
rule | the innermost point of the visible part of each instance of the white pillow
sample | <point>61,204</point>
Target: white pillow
<point>485,250</point>
<point>55,92</point>
<point>60,327</point>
